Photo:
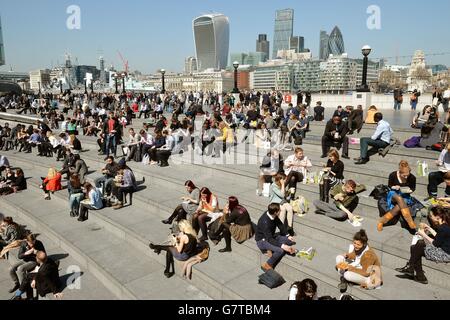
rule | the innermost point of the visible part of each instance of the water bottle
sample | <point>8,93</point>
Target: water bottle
<point>419,169</point>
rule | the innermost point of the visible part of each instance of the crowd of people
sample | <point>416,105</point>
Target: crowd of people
<point>199,217</point>
<point>33,269</point>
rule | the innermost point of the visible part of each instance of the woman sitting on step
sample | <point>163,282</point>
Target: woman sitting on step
<point>186,210</point>
<point>209,204</point>
<point>184,246</point>
<point>278,196</point>
<point>434,245</point>
<point>360,266</point>
<point>399,200</point>
<point>51,183</point>
<point>236,223</point>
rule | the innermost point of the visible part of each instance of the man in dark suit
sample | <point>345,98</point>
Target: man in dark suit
<point>45,280</point>
<point>275,245</point>
<point>319,112</point>
<point>356,120</point>
<point>335,135</point>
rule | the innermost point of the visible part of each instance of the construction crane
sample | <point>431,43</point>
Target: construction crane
<point>125,62</point>
<point>411,56</point>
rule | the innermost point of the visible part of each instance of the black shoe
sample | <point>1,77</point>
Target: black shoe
<point>169,274</point>
<point>202,239</point>
<point>362,162</point>
<point>420,278</point>
<point>16,287</point>
<point>291,232</point>
<point>154,248</point>
<point>225,250</point>
<point>407,271</point>
<point>343,285</point>
<point>345,157</point>
<point>167,221</point>
<point>323,156</point>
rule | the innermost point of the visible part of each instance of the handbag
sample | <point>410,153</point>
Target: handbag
<point>271,279</point>
<point>146,160</point>
<point>379,192</point>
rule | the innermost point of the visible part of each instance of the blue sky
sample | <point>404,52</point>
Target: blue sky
<point>158,34</point>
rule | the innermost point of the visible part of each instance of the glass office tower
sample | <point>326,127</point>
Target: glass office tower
<point>284,30</point>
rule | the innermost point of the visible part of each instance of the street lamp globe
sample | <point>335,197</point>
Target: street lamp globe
<point>236,64</point>
<point>163,71</point>
<point>366,50</point>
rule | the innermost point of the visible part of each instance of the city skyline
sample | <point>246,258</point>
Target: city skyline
<point>101,35</point>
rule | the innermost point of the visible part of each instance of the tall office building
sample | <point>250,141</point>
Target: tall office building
<point>262,45</point>
<point>102,70</point>
<point>297,43</point>
<point>190,65</point>
<point>2,49</point>
<point>212,41</point>
<point>324,39</point>
<point>284,30</point>
<point>336,42</point>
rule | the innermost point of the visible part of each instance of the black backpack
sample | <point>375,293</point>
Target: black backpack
<point>271,279</point>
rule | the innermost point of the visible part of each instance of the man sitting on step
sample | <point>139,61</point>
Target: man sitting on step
<point>346,200</point>
<point>380,140</point>
<point>275,245</point>
<point>335,136</point>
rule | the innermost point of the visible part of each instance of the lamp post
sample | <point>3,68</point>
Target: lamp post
<point>114,76</point>
<point>61,86</point>
<point>92,86</point>
<point>163,72</point>
<point>366,50</point>
<point>123,83</point>
<point>39,85</point>
<point>236,66</point>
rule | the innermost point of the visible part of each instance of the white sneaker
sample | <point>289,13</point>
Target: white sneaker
<point>259,194</point>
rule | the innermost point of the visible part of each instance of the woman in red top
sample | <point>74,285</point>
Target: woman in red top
<point>51,183</point>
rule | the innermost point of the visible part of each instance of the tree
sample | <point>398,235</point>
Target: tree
<point>388,80</point>
<point>420,73</point>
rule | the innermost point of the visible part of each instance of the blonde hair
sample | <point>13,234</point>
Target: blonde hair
<point>186,227</point>
<point>51,173</point>
<point>404,166</point>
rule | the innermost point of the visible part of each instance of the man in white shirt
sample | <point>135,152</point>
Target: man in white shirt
<point>380,140</point>
<point>165,151</point>
<point>296,166</point>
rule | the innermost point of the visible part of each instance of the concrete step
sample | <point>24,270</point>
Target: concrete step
<point>341,232</point>
<point>117,265</point>
<point>78,283</point>
<point>290,268</point>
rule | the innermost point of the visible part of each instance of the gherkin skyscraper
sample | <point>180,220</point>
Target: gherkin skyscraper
<point>336,42</point>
